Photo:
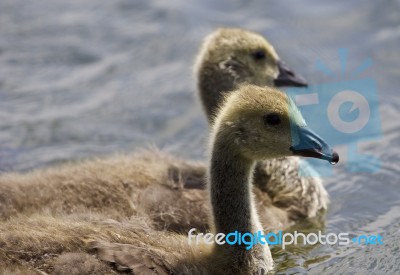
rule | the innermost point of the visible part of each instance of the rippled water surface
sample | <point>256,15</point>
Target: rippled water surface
<point>84,78</point>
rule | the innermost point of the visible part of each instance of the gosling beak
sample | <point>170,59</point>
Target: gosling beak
<point>309,144</point>
<point>287,77</point>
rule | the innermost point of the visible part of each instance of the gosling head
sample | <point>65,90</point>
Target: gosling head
<point>263,122</point>
<point>233,56</point>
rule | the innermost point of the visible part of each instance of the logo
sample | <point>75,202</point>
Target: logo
<point>249,240</point>
<point>344,112</point>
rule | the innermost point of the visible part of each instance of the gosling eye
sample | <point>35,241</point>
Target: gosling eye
<point>272,119</point>
<point>258,55</point>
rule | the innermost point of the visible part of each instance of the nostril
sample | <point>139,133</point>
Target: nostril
<point>290,73</point>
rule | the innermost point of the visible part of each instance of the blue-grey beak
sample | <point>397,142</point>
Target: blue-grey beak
<point>287,77</point>
<point>307,143</point>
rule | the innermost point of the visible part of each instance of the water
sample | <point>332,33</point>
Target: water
<point>84,78</point>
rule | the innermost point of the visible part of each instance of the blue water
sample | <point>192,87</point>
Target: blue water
<point>84,78</point>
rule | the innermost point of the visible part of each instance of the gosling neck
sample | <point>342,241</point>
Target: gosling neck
<point>212,84</point>
<point>230,190</point>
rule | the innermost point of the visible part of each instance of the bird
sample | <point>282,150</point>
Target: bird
<point>252,123</point>
<point>230,57</point>
<point>169,190</point>
<point>134,243</point>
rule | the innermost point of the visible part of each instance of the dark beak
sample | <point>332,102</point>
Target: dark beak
<point>287,77</point>
<point>309,144</point>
